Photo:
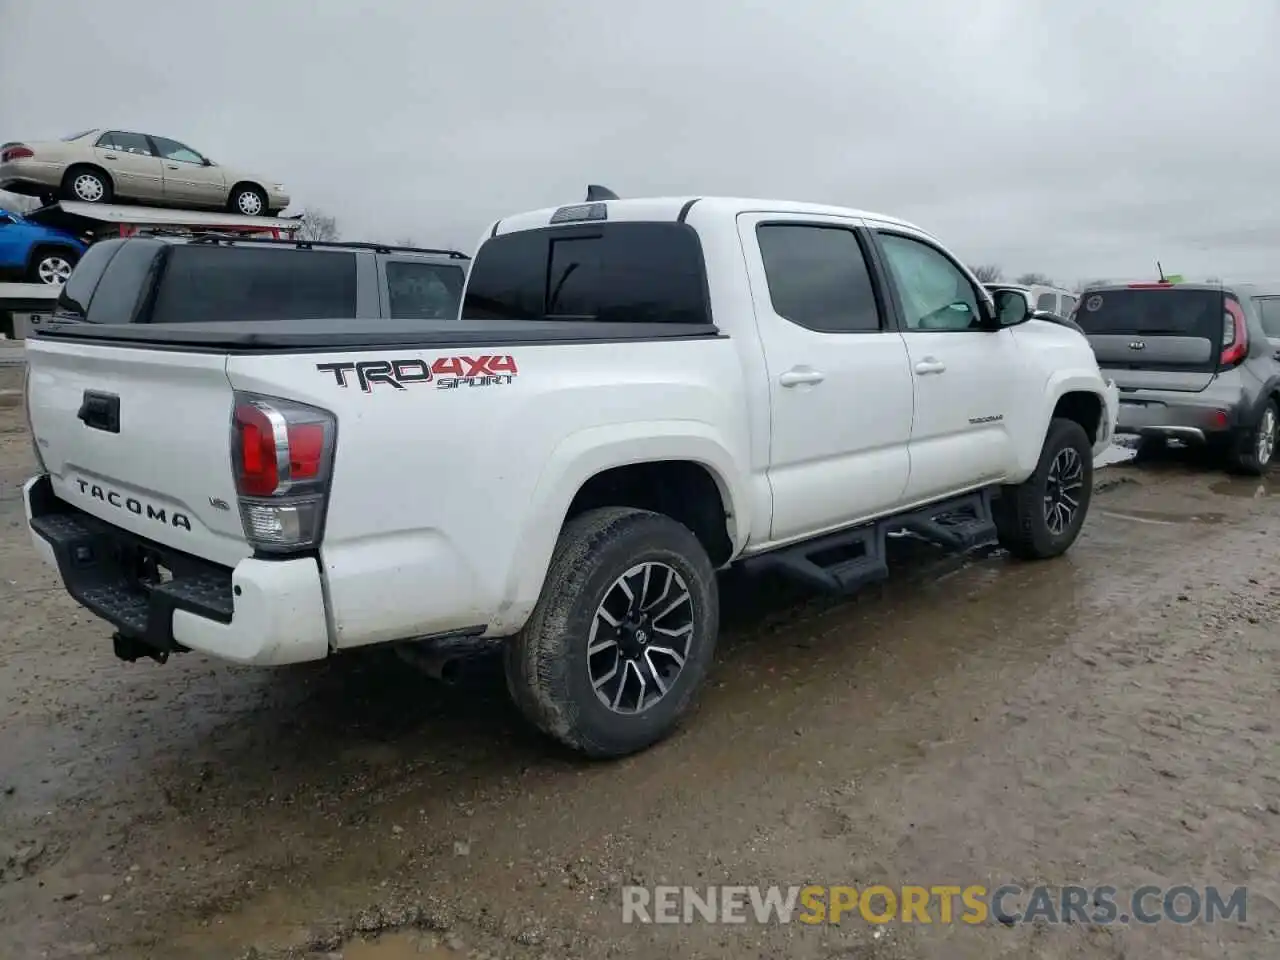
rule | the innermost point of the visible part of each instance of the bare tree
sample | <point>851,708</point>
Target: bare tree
<point>987,272</point>
<point>1027,279</point>
<point>318,225</point>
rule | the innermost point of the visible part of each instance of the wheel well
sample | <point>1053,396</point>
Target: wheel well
<point>681,489</point>
<point>41,248</point>
<point>250,185</point>
<point>1084,408</point>
<point>93,168</point>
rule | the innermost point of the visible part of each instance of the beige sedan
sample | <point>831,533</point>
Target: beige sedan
<point>99,166</point>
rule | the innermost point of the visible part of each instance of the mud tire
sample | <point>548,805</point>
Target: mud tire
<point>546,663</point>
<point>1019,510</point>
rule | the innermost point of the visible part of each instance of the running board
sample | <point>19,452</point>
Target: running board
<point>844,562</point>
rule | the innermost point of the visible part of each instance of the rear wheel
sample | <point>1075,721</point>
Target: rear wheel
<point>87,185</point>
<point>51,267</point>
<point>1255,448</point>
<point>622,636</point>
<point>1042,516</point>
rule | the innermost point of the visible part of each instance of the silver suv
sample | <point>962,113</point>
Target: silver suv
<point>1192,361</point>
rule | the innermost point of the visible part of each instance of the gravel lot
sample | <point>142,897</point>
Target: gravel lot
<point>1110,717</point>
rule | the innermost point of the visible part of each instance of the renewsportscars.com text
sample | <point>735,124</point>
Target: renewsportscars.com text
<point>936,904</point>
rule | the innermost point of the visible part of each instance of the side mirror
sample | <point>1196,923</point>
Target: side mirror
<point>206,162</point>
<point>1011,308</point>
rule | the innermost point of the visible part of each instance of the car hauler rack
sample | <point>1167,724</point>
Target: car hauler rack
<point>102,220</point>
<point>25,304</point>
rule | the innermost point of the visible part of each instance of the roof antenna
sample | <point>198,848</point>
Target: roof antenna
<point>1160,270</point>
<point>597,192</point>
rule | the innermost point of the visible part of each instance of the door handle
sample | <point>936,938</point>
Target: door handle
<point>100,411</point>
<point>800,375</point>
<point>930,365</point>
<point>110,156</point>
<point>172,166</point>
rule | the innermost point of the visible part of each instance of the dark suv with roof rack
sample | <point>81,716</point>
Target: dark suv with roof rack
<point>224,278</point>
<point>1192,362</point>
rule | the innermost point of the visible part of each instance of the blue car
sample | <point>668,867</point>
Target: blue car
<point>33,253</point>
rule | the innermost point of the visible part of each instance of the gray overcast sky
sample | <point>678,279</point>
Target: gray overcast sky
<point>1076,138</point>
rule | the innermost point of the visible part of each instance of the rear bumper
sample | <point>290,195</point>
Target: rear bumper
<point>263,612</point>
<point>1188,416</point>
<point>30,176</point>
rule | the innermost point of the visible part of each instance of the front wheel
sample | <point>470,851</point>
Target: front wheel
<point>1042,516</point>
<point>51,267</point>
<point>249,201</point>
<point>622,636</point>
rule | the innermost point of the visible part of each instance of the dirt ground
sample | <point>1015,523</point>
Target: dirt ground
<point>1107,718</point>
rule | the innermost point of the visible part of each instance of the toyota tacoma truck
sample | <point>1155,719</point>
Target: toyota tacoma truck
<point>637,393</point>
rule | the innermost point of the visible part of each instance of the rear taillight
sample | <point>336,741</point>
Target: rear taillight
<point>26,412</point>
<point>282,456</point>
<point>1235,334</point>
<point>19,152</point>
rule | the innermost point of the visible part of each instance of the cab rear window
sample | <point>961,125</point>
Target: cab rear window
<point>636,272</point>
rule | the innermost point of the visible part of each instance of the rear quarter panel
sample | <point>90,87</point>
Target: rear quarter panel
<point>448,496</point>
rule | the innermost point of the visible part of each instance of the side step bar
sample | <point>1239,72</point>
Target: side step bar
<point>844,562</point>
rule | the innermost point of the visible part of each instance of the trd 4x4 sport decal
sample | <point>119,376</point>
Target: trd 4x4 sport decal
<point>447,373</point>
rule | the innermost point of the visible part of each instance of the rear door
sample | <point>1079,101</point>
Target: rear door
<point>840,391</point>
<point>135,169</point>
<point>1156,337</point>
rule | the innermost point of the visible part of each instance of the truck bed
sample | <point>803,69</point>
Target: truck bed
<point>286,336</point>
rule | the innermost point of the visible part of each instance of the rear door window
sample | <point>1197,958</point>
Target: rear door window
<point>637,272</point>
<point>818,277</point>
<point>417,290</point>
<point>1269,308</point>
<point>209,283</point>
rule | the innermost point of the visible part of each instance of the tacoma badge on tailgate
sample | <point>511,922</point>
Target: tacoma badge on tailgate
<point>134,505</point>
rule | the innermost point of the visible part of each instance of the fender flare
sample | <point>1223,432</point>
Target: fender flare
<point>1058,385</point>
<point>582,455</point>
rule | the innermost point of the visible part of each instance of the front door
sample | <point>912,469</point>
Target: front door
<point>186,177</point>
<point>964,371</point>
<point>840,389</point>
<point>135,170</point>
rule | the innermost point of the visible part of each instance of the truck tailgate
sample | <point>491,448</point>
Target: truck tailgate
<point>140,439</point>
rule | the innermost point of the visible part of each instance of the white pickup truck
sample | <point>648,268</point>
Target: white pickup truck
<point>637,393</point>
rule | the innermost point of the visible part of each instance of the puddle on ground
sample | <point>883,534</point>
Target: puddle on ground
<point>1245,489</point>
<point>1116,453</point>
<point>1162,518</point>
<point>398,946</point>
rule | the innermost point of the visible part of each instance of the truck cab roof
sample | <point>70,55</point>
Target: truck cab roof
<point>679,209</point>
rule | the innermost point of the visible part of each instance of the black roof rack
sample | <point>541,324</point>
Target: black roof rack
<point>338,244</point>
